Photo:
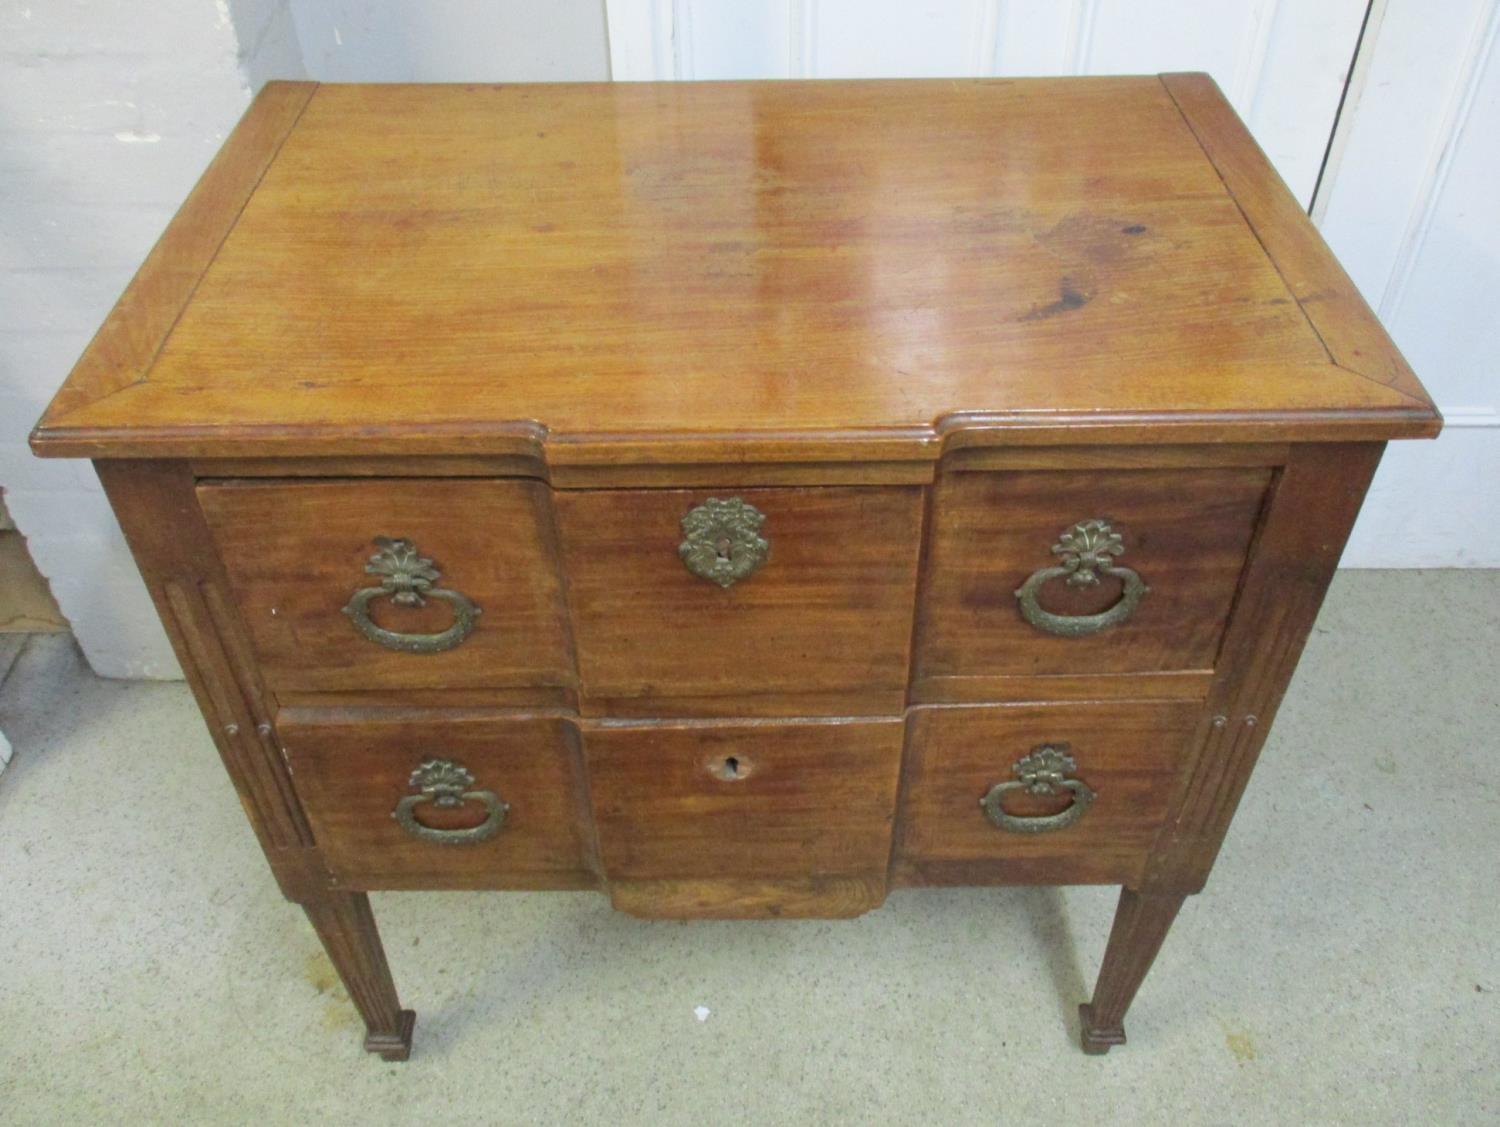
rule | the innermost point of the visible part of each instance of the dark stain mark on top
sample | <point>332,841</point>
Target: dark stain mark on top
<point>1068,299</point>
<point>1134,229</point>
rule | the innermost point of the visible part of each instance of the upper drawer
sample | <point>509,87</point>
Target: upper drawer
<point>1078,573</point>
<point>471,600</point>
<point>801,600</point>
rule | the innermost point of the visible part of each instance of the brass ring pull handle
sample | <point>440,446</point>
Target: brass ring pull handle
<point>446,784</point>
<point>407,579</point>
<point>722,542</point>
<point>1044,771</point>
<point>1087,550</point>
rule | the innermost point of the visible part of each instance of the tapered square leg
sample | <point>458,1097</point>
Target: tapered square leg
<point>1141,923</point>
<point>396,1046</point>
<point>1097,1040</point>
<point>346,926</point>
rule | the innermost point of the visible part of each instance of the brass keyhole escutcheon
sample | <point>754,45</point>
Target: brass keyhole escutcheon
<point>722,542</point>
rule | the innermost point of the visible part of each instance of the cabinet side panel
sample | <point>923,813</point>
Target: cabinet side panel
<point>1311,511</point>
<point>157,509</point>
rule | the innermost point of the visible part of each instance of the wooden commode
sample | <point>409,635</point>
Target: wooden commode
<point>744,499</point>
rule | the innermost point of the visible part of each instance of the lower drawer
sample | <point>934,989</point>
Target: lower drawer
<point>745,818</point>
<point>1068,793</point>
<point>474,802</point>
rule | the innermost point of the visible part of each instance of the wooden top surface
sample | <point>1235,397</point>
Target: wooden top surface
<point>722,271</point>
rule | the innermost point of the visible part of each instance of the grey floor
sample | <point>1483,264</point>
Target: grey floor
<point>1342,966</point>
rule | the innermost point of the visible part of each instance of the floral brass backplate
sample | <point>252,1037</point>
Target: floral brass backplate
<point>446,785</point>
<point>1046,770</point>
<point>1085,551</point>
<point>406,579</point>
<point>722,540</point>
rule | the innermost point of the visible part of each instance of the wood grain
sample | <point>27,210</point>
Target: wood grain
<point>601,476</point>
<point>521,698</point>
<point>923,326</point>
<point>822,627</point>
<point>805,800</point>
<point>1326,294</point>
<point>1166,456</point>
<point>164,527</point>
<point>1140,928</point>
<point>692,273</point>
<point>346,927</point>
<point>1131,754</point>
<point>126,345</point>
<point>1307,523</point>
<point>1185,532</point>
<point>351,775</point>
<point>295,553</point>
<point>818,897</point>
<point>1182,684</point>
<point>1316,499</point>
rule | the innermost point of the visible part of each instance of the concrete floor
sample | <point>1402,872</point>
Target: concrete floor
<point>1342,966</point>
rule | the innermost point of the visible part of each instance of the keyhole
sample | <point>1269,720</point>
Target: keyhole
<point>722,547</point>
<point>731,769</point>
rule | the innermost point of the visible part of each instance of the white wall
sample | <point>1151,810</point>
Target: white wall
<point>1413,209</point>
<point>1281,63</point>
<point>108,114</point>
<point>267,39</point>
<point>453,40</point>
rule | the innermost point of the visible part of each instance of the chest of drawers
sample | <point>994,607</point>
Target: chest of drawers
<point>742,499</point>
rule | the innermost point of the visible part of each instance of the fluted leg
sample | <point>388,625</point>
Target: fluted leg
<point>1141,923</point>
<point>346,926</point>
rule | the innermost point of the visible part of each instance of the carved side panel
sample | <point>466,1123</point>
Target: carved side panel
<point>1311,511</point>
<point>164,527</point>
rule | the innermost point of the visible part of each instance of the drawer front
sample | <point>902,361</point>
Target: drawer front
<point>1071,793</point>
<point>298,556</point>
<point>1018,584</point>
<point>746,805</point>
<point>443,803</point>
<point>818,621</point>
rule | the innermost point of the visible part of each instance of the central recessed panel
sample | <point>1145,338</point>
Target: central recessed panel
<point>748,818</point>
